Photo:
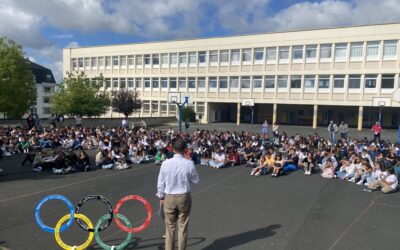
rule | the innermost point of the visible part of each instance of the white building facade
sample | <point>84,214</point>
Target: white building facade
<point>300,77</point>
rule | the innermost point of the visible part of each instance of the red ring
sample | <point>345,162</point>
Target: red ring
<point>145,224</point>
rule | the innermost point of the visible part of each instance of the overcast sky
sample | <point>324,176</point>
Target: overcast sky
<point>45,27</point>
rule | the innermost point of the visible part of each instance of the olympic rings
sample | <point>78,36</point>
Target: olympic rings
<point>145,224</point>
<point>57,232</point>
<point>105,246</point>
<point>94,197</point>
<point>54,197</point>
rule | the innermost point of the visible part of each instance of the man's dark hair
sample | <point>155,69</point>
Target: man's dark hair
<point>180,146</point>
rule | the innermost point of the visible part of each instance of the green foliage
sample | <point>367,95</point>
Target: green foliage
<point>78,96</point>
<point>17,89</point>
<point>126,102</point>
<point>188,114</point>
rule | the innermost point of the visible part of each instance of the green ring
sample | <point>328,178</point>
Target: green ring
<point>101,243</point>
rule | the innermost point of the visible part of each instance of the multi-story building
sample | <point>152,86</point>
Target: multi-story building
<point>300,77</point>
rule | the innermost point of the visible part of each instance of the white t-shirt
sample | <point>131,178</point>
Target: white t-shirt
<point>392,178</point>
<point>219,157</point>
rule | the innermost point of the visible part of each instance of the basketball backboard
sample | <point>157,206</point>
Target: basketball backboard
<point>248,102</point>
<point>381,102</point>
<point>178,97</point>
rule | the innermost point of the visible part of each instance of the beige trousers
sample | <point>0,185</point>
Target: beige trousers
<point>385,187</point>
<point>177,210</point>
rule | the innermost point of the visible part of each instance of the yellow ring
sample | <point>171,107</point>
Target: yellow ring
<point>57,232</point>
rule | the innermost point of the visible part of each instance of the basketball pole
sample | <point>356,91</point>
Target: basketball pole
<point>180,107</point>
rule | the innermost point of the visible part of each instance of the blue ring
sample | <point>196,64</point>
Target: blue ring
<point>54,197</point>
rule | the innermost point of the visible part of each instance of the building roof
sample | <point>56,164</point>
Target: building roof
<point>41,73</point>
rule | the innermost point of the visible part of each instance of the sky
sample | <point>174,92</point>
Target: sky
<point>45,27</point>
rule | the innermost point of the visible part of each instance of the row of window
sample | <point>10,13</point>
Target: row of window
<point>341,52</point>
<point>255,82</point>
<point>152,106</point>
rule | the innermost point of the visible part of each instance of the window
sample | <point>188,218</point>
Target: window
<point>182,59</point>
<point>164,83</point>
<point>295,82</point>
<point>147,60</point>
<point>271,55</point>
<point>122,83</point>
<point>131,60</point>
<point>389,49</point>
<point>46,110</point>
<point>224,57</point>
<point>354,81</point>
<point>182,83</point>
<point>80,62</point>
<point>147,83</point>
<point>101,62</point>
<point>155,83</point>
<point>115,83</point>
<point>283,54</point>
<point>235,57</point>
<point>46,99</point>
<point>246,56</point>
<point>259,56</point>
<point>87,62</point>
<point>202,57</point>
<point>173,59</point>
<point>192,83</point>
<point>223,83</point>
<point>213,57</point>
<point>156,59</point>
<point>201,82</point>
<point>311,53</point>
<point>282,82</point>
<point>154,106</point>
<point>172,108</point>
<point>257,82</point>
<point>245,82</point>
<point>212,82</point>
<point>200,107</point>
<point>146,106</point>
<point>131,83</point>
<point>164,59</point>
<point>323,82</point>
<point>46,90</point>
<point>340,52</point>
<point>139,60</point>
<point>373,50</point>
<point>94,62</point>
<point>297,53</point>
<point>108,83</point>
<point>269,82</point>
<point>123,60</point>
<point>115,61</point>
<point>338,81</point>
<point>370,81</point>
<point>192,58</point>
<point>172,83</point>
<point>74,65</point>
<point>325,52</point>
<point>138,82</point>
<point>309,82</point>
<point>163,107</point>
<point>108,61</point>
<point>387,82</point>
<point>356,51</point>
<point>234,82</point>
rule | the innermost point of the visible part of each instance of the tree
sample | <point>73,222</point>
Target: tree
<point>126,102</point>
<point>188,114</point>
<point>77,95</point>
<point>17,88</point>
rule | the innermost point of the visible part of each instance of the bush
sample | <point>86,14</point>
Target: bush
<point>188,114</point>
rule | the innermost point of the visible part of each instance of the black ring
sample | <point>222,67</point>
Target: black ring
<point>94,197</point>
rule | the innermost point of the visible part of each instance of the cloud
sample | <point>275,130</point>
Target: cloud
<point>63,36</point>
<point>72,44</point>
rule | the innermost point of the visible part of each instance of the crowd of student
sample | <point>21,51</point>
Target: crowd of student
<point>375,164</point>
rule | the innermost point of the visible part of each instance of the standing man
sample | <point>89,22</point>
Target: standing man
<point>343,130</point>
<point>174,185</point>
<point>377,129</point>
<point>332,128</point>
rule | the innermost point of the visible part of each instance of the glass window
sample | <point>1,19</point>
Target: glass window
<point>154,106</point>
<point>309,82</point>
<point>338,81</point>
<point>182,58</point>
<point>131,83</point>
<point>108,83</point>
<point>156,59</point>
<point>147,82</point>
<point>387,82</point>
<point>192,58</point>
<point>269,82</point>
<point>297,52</point>
<point>245,82</point>
<point>182,83</point>
<point>311,51</point>
<point>163,106</point>
<point>259,54</point>
<point>138,82</point>
<point>80,62</point>
<point>257,82</point>
<point>115,60</point>
<point>370,81</point>
<point>235,56</point>
<point>123,60</point>
<point>139,60</point>
<point>131,60</point>
<point>146,106</point>
<point>223,82</point>
<point>200,107</point>
<point>283,53</point>
<point>155,83</point>
<point>325,51</point>
<point>390,49</point>
<point>87,62</point>
<point>172,83</point>
<point>173,58</point>
<point>101,62</point>
<point>108,61</point>
<point>295,82</point>
<point>373,49</point>
<point>202,56</point>
<point>356,50</point>
<point>271,55</point>
<point>164,59</point>
<point>122,83</point>
<point>201,82</point>
<point>340,51</point>
<point>234,82</point>
<point>74,65</point>
<point>224,56</point>
<point>246,55</point>
<point>115,83</point>
<point>192,83</point>
<point>146,59</point>
<point>164,83</point>
<point>282,82</point>
<point>94,61</point>
<point>323,82</point>
<point>212,82</point>
<point>172,108</point>
<point>213,56</point>
<point>354,81</point>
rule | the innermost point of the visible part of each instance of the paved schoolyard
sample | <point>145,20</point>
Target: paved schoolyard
<point>231,210</point>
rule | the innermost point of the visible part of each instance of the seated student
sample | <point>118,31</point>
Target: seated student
<point>388,182</point>
<point>191,155</point>
<point>329,170</point>
<point>248,154</point>
<point>262,163</point>
<point>83,162</point>
<point>218,159</point>
<point>346,171</point>
<point>160,156</point>
<point>99,160</point>
<point>377,170</point>
<point>108,162</point>
<point>37,164</point>
<point>140,155</point>
<point>232,158</point>
<point>308,163</point>
<point>365,173</point>
<point>291,161</point>
<point>357,168</point>
<point>60,166</point>
<point>278,165</point>
<point>205,158</point>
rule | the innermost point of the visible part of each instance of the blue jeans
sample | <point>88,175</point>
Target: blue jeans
<point>332,137</point>
<point>289,167</point>
<point>216,164</point>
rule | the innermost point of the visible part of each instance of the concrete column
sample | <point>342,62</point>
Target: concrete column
<point>238,113</point>
<point>360,118</point>
<point>274,110</point>
<point>315,117</point>
<point>206,113</point>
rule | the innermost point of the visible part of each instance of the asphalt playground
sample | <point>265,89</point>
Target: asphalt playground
<point>231,210</point>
